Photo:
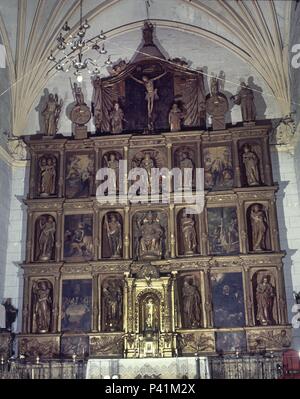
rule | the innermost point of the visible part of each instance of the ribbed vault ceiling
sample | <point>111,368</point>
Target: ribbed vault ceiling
<point>257,31</point>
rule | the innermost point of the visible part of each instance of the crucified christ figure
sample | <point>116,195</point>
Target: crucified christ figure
<point>151,92</point>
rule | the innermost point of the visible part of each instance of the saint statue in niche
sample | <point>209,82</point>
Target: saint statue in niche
<point>42,304</point>
<point>151,93</point>
<point>116,119</point>
<point>149,314</point>
<point>250,161</point>
<point>191,304</point>
<point>111,160</point>
<point>175,118</point>
<point>46,239</point>
<point>150,242</point>
<point>112,302</point>
<point>47,176</point>
<point>148,164</point>
<point>245,99</point>
<point>114,235</point>
<point>259,227</point>
<point>51,114</point>
<point>189,236</point>
<point>150,311</point>
<point>265,294</point>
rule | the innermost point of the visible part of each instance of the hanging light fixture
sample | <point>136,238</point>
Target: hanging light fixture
<point>78,45</point>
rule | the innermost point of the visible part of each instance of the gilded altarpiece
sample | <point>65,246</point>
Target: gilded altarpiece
<point>148,279</point>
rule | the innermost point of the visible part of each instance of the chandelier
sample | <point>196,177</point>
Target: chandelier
<point>71,48</point>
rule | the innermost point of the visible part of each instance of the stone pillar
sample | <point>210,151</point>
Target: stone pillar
<point>248,297</point>
<point>97,226</point>
<point>26,313</point>
<point>173,315</point>
<point>274,227</point>
<point>267,164</point>
<point>56,296</point>
<point>29,243</point>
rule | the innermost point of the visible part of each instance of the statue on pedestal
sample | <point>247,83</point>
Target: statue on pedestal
<point>46,239</point>
<point>259,227</point>
<point>150,243</point>
<point>245,99</point>
<point>80,114</point>
<point>42,306</point>
<point>114,235</point>
<point>47,176</point>
<point>265,300</point>
<point>175,118</point>
<point>51,114</point>
<point>189,234</point>
<point>191,305</point>
<point>250,161</point>
<point>216,104</point>
<point>116,119</point>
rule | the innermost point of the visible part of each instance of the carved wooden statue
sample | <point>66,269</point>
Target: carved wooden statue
<point>245,99</point>
<point>175,118</point>
<point>111,161</point>
<point>46,239</point>
<point>51,114</point>
<point>47,176</point>
<point>150,243</point>
<point>42,306</point>
<point>189,236</point>
<point>265,294</point>
<point>250,161</point>
<point>259,227</point>
<point>191,305</point>
<point>117,118</point>
<point>114,235</point>
<point>112,304</point>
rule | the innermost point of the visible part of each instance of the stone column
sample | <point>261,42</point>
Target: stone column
<point>248,299</point>
<point>96,234</point>
<point>29,242</point>
<point>274,227</point>
<point>173,316</point>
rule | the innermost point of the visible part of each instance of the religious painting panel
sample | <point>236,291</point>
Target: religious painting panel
<point>258,227</point>
<point>150,232</point>
<point>80,175</point>
<point>74,345</point>
<point>44,347</point>
<point>223,232</point>
<point>190,301</point>
<point>269,339</point>
<point>227,342</point>
<point>47,175</point>
<point>45,232</point>
<point>76,305</point>
<point>187,233</point>
<point>112,236</point>
<point>265,297</point>
<point>112,304</point>
<point>228,299</point>
<point>195,342</point>
<point>78,238</point>
<point>41,306</point>
<point>251,163</point>
<point>218,168</point>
